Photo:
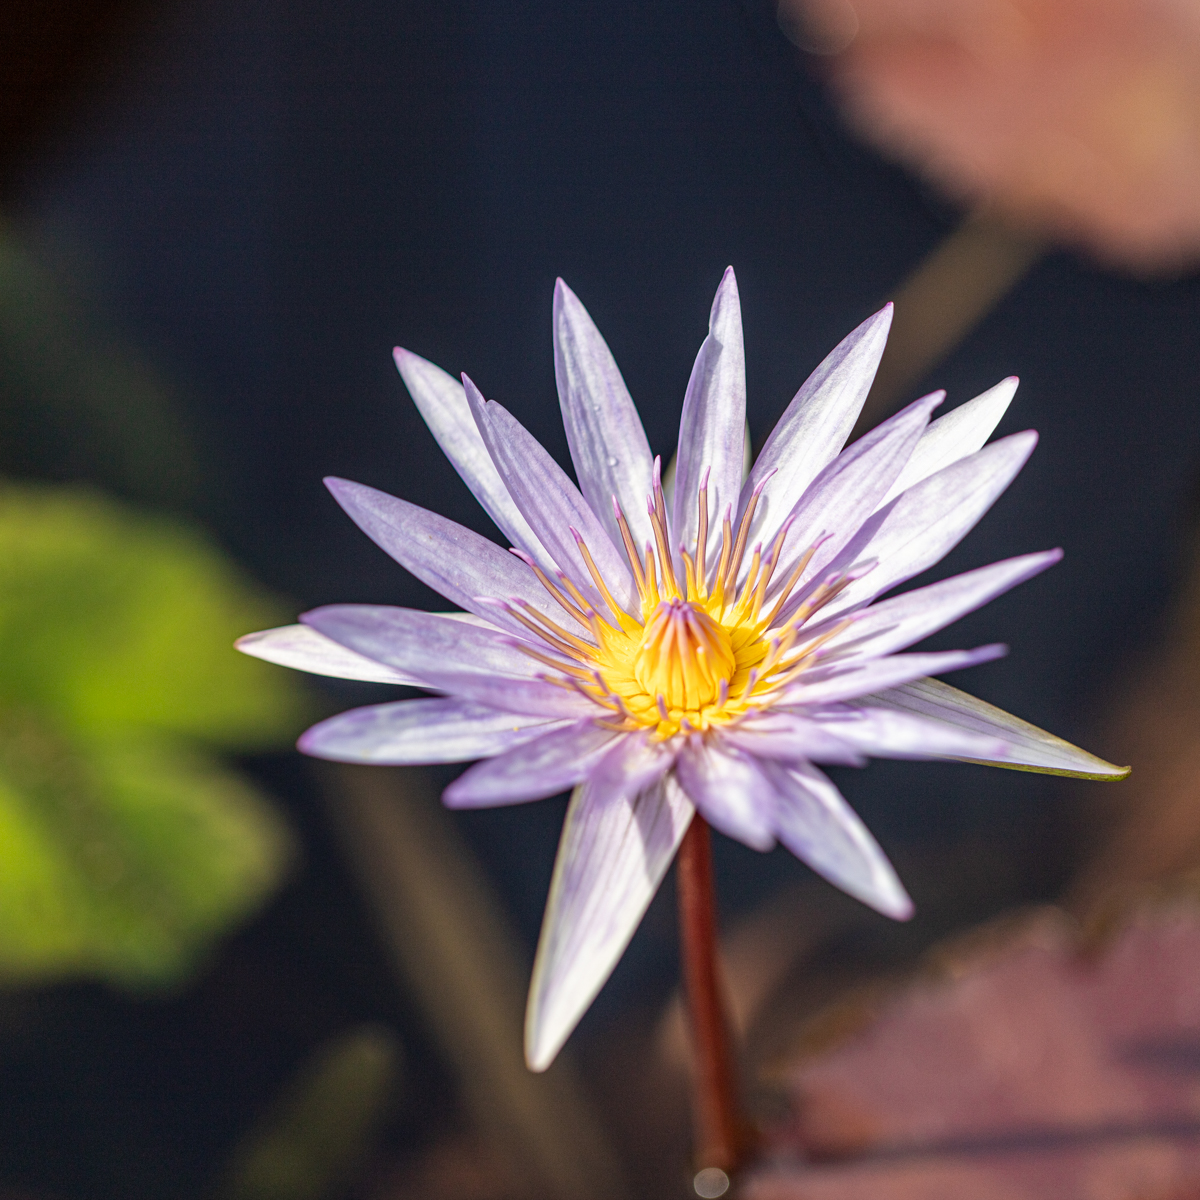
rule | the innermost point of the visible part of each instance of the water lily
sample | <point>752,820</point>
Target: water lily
<point>667,655</point>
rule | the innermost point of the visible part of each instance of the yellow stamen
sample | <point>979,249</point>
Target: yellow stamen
<point>699,653</point>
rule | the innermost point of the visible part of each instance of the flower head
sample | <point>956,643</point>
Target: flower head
<point>662,657</point>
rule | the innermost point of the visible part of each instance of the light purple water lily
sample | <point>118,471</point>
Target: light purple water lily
<point>665,657</point>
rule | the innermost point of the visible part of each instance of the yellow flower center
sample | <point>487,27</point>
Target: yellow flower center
<point>703,652</point>
<point>684,656</point>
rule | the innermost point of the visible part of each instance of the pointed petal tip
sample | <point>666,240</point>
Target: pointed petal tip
<point>340,487</point>
<point>540,1051</point>
<point>306,743</point>
<point>247,640</point>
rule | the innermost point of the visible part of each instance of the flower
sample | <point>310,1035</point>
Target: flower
<point>663,658</point>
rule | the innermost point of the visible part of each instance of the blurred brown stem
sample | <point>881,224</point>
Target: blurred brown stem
<point>719,1140</point>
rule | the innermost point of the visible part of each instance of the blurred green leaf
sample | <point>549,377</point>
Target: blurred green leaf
<point>312,1140</point>
<point>111,619</point>
<point>124,847</point>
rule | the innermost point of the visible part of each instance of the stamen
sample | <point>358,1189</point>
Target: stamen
<point>585,649</point>
<point>748,588</point>
<point>702,532</point>
<point>718,590</point>
<point>565,668</point>
<point>743,533</point>
<point>792,580</point>
<point>665,566</point>
<point>652,597</point>
<point>544,580</point>
<point>660,503</point>
<point>584,690</point>
<point>662,707</point>
<point>589,613</point>
<point>582,653</point>
<point>751,681</point>
<point>689,570</point>
<point>601,586</point>
<point>768,570</point>
<point>821,595</point>
<point>630,551</point>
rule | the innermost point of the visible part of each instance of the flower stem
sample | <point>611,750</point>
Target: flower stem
<point>718,1130</point>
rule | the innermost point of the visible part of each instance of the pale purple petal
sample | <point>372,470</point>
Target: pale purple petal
<point>893,624</point>
<point>454,561</point>
<point>829,686</point>
<point>889,733</point>
<point>304,649</point>
<point>815,426</point>
<point>817,825</point>
<point>635,762</point>
<point>407,732</point>
<point>791,737</point>
<point>728,787</point>
<point>849,490</point>
<point>960,432</point>
<point>532,771</point>
<point>712,430</point>
<point>440,400</point>
<point>533,697</point>
<point>418,642</point>
<point>1029,748</point>
<point>604,432</point>
<point>922,526</point>
<point>615,849</point>
<point>552,504</point>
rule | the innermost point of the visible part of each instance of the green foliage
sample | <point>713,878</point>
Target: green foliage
<point>308,1144</point>
<point>125,847</point>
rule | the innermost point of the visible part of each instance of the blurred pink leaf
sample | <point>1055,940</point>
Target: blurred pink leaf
<point>1023,1070</point>
<point>1080,118</point>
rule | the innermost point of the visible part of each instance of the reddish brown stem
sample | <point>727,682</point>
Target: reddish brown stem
<point>719,1139</point>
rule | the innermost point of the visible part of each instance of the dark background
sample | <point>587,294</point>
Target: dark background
<point>265,198</point>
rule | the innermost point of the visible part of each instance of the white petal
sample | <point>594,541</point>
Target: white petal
<point>921,526</point>
<point>848,491</point>
<point>440,399</point>
<point>897,623</point>
<point>304,649</point>
<point>419,642</point>
<point>727,785</point>
<point>1029,748</point>
<point>817,825</point>
<point>889,733</point>
<point>815,426</point>
<point>421,731</point>
<point>790,737</point>
<point>960,432</point>
<point>551,503</point>
<point>614,852</point>
<point>531,697</point>
<point>867,678</point>
<point>604,432</point>
<point>451,559</point>
<point>534,769</point>
<point>712,430</point>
